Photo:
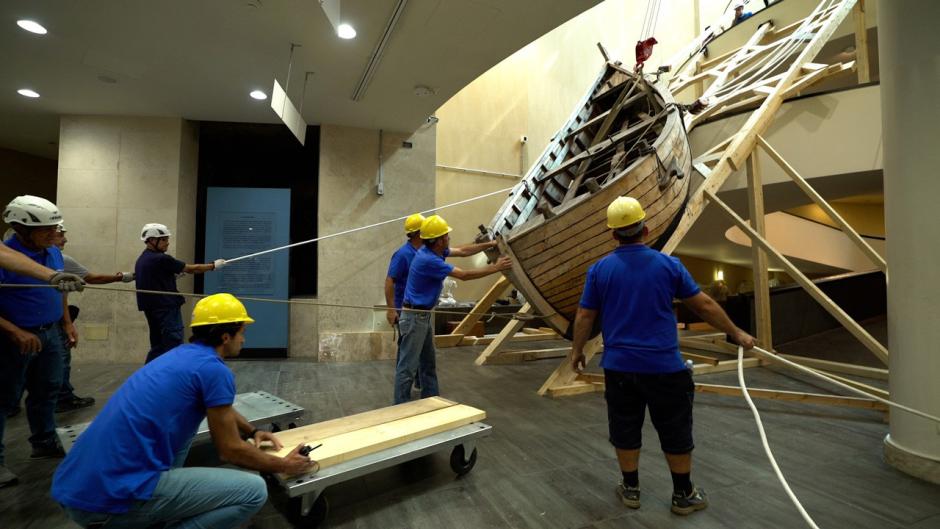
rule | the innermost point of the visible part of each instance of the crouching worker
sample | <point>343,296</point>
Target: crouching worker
<point>126,470</point>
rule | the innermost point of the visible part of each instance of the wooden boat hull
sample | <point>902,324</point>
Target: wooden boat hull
<point>553,245</point>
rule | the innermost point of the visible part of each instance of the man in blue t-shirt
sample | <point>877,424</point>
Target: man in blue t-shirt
<point>425,282</point>
<point>632,290</point>
<point>126,468</point>
<point>397,276</point>
<point>157,270</point>
<point>33,328</point>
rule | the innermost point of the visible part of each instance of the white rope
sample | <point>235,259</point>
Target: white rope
<point>361,228</point>
<point>763,439</point>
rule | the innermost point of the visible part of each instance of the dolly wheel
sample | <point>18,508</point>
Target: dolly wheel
<point>314,518</point>
<point>460,464</point>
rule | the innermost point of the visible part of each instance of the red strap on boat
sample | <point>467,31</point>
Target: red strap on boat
<point>644,49</point>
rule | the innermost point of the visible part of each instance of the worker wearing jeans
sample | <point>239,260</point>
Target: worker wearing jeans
<point>125,470</point>
<point>424,285</point>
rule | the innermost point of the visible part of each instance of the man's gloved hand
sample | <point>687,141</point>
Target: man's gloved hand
<point>67,282</point>
<point>218,263</point>
<point>127,277</point>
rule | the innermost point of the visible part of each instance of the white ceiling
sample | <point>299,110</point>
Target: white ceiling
<point>199,58</point>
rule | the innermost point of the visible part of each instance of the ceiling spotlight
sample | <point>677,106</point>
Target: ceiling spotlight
<point>345,31</point>
<point>258,94</point>
<point>26,92</point>
<point>32,27</point>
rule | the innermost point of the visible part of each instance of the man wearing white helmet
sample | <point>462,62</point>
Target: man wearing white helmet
<point>32,323</point>
<point>740,15</point>
<point>157,270</point>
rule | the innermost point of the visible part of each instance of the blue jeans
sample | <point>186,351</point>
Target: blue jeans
<point>188,498</point>
<point>416,355</point>
<point>166,330</point>
<point>40,374</point>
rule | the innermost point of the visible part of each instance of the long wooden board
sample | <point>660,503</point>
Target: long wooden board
<point>793,396</point>
<point>346,446</point>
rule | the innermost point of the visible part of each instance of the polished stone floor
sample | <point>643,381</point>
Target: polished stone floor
<point>548,464</point>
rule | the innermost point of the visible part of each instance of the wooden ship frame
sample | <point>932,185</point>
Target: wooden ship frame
<point>629,144</point>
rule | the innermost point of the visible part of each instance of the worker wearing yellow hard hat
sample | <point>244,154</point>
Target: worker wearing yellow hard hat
<point>398,267</point>
<point>632,291</point>
<point>159,408</point>
<point>422,290</point>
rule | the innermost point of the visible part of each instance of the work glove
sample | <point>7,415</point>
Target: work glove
<point>127,277</point>
<point>218,263</point>
<point>67,282</point>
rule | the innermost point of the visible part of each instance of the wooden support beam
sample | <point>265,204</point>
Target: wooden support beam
<point>697,358</point>
<point>512,326</point>
<point>861,42</point>
<point>793,396</point>
<point>447,340</point>
<point>725,365</point>
<point>482,306</point>
<point>564,375</point>
<point>575,388</point>
<point>516,357</point>
<point>839,367</point>
<point>821,202</point>
<point>831,307</point>
<point>867,388</point>
<point>755,206</point>
<point>518,337</point>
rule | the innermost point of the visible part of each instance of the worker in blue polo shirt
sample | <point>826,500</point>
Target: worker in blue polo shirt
<point>157,270</point>
<point>425,281</point>
<point>632,290</point>
<point>125,470</point>
<point>397,276</point>
<point>32,323</point>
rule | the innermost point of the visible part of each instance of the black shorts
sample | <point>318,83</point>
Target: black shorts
<point>669,397</point>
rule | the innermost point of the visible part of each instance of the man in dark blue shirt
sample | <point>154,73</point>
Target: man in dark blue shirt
<point>740,15</point>
<point>126,468</point>
<point>32,323</point>
<point>425,281</point>
<point>157,270</point>
<point>632,290</point>
<point>397,276</point>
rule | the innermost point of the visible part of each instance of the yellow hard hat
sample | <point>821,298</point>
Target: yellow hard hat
<point>414,222</point>
<point>623,212</point>
<point>219,308</point>
<point>434,226</point>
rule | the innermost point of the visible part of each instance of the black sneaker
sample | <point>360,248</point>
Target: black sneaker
<point>629,496</point>
<point>74,403</point>
<point>14,412</point>
<point>50,451</point>
<point>696,501</point>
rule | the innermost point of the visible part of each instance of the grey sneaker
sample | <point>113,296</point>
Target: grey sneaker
<point>696,501</point>
<point>630,496</point>
<point>7,478</point>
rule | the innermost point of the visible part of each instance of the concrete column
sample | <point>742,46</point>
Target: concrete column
<point>909,49</point>
<point>116,174</point>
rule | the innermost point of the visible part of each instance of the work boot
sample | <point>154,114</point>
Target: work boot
<point>682,504</point>
<point>7,478</point>
<point>73,403</point>
<point>47,451</point>
<point>14,412</point>
<point>629,496</point>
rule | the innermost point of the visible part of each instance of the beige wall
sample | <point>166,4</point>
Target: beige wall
<point>116,174</point>
<point>532,93</point>
<point>352,268</point>
<point>867,219</point>
<point>24,174</point>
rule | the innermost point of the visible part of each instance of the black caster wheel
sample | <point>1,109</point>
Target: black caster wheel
<point>314,518</point>
<point>275,427</point>
<point>459,464</point>
<point>291,425</point>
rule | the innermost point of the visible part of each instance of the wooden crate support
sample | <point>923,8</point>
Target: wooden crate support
<point>564,374</point>
<point>876,373</point>
<point>755,206</point>
<point>482,306</point>
<point>516,357</point>
<point>793,396</point>
<point>861,42</point>
<point>510,330</point>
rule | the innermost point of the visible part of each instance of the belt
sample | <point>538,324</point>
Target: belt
<point>419,307</point>
<point>40,328</point>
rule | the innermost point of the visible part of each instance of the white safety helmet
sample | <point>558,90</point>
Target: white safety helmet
<point>738,5</point>
<point>28,210</point>
<point>154,230</point>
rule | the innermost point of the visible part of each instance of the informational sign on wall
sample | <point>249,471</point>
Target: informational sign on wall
<point>242,221</point>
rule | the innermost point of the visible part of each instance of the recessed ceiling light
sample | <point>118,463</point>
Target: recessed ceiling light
<point>32,26</point>
<point>26,92</point>
<point>258,94</point>
<point>345,31</point>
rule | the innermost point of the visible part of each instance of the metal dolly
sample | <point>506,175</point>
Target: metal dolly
<point>259,407</point>
<point>308,507</point>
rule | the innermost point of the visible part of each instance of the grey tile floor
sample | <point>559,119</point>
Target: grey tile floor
<point>548,463</point>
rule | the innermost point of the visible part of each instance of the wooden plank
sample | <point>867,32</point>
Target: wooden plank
<point>518,337</point>
<point>861,42</point>
<point>831,307</point>
<point>507,331</point>
<point>516,357</point>
<point>722,346</point>
<point>447,340</point>
<point>482,306</point>
<point>755,203</point>
<point>564,374</point>
<point>697,358</point>
<point>801,182</point>
<point>871,390</point>
<point>577,388</point>
<point>344,447</point>
<point>321,430</point>
<point>839,367</point>
<point>793,396</point>
<point>724,365</point>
